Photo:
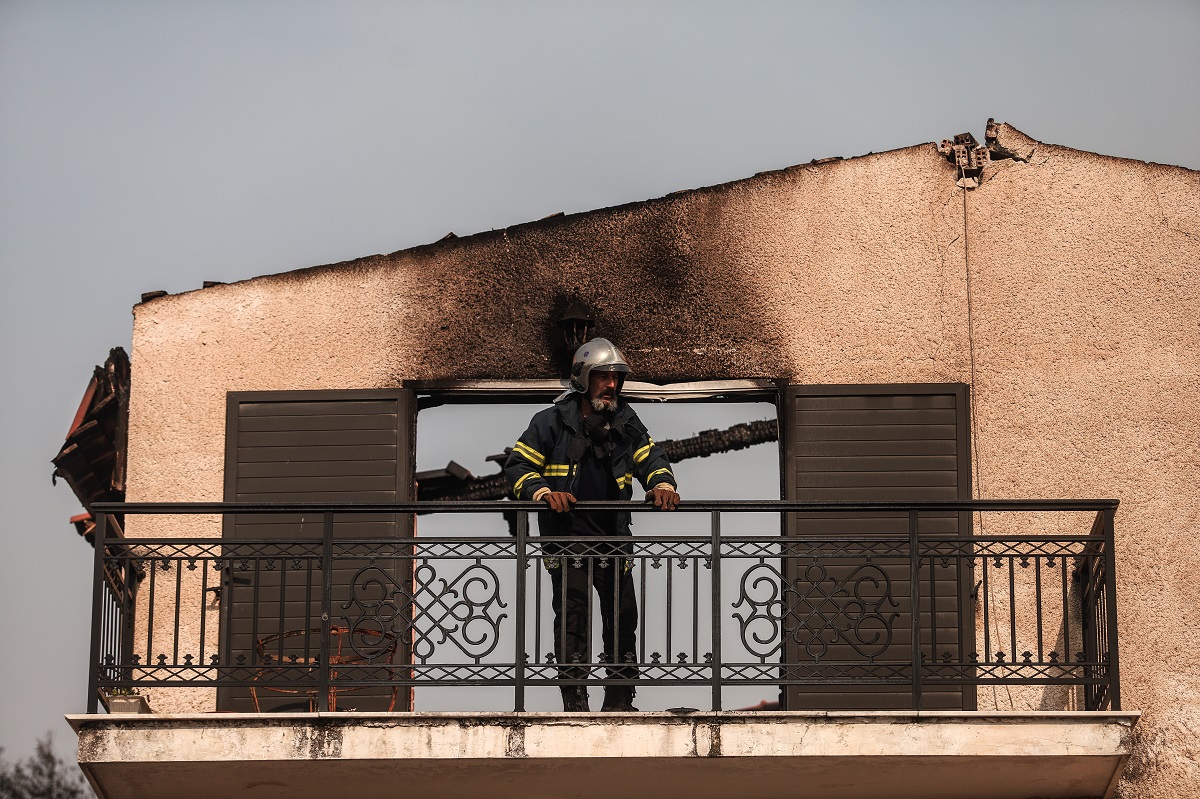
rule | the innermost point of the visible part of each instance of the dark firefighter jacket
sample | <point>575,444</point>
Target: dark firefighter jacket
<point>547,455</point>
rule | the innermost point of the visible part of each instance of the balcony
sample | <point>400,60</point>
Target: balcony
<point>955,648</point>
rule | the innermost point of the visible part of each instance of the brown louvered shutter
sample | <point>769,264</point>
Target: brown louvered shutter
<point>302,446</point>
<point>851,615</point>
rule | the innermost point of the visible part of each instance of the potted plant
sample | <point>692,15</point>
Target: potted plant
<point>125,700</point>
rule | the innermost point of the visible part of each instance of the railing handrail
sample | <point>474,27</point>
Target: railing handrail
<point>638,538</point>
<point>702,506</point>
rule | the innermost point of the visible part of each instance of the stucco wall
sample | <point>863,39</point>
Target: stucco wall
<point>1084,287</point>
<point>1085,282</point>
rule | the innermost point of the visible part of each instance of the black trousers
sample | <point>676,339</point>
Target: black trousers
<point>573,580</point>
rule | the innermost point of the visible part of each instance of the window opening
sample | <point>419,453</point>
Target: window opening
<point>457,435</point>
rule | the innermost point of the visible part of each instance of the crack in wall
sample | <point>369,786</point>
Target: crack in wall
<point>1162,211</point>
<point>940,220</point>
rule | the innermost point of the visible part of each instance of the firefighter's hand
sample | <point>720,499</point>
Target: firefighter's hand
<point>663,497</point>
<point>559,501</point>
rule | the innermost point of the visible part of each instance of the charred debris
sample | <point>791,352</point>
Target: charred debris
<point>455,483</point>
<point>92,459</point>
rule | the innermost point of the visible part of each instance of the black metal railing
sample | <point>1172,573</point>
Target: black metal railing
<point>949,604</point>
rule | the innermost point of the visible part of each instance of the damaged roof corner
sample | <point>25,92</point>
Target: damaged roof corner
<point>1005,141</point>
<point>1002,142</point>
<point>92,459</point>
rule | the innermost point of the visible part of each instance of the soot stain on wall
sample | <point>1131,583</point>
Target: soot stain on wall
<point>657,274</point>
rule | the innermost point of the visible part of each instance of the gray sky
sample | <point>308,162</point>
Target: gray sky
<point>154,145</point>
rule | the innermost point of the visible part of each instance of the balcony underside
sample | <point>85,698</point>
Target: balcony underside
<point>833,755</point>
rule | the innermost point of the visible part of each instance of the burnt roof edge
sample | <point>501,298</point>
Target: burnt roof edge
<point>554,219</point>
<point>1010,138</point>
<point>1007,135</point>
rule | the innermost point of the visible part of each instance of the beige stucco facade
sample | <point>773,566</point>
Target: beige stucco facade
<point>1079,342</point>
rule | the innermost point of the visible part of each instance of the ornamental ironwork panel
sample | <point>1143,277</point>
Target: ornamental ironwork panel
<point>334,624</point>
<point>446,604</point>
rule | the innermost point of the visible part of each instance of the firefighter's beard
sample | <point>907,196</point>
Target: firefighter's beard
<point>605,403</point>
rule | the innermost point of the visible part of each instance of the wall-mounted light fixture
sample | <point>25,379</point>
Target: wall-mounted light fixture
<point>578,324</point>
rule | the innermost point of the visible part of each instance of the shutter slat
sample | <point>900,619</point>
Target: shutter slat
<point>358,421</point>
<point>878,416</point>
<point>315,468</point>
<point>876,478</point>
<point>328,453</point>
<point>258,487</point>
<point>866,432</point>
<point>901,447</point>
<point>838,402</point>
<point>317,438</point>
<point>346,407</point>
<point>874,463</point>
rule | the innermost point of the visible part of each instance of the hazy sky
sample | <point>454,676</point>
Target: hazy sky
<point>152,145</point>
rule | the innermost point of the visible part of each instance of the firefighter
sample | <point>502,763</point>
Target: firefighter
<point>590,445</point>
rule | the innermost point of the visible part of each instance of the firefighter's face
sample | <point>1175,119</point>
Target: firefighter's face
<point>602,389</point>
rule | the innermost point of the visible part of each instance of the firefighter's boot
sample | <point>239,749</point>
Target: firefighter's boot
<point>618,699</point>
<point>575,699</point>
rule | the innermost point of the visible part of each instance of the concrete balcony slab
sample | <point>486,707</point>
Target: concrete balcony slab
<point>832,755</point>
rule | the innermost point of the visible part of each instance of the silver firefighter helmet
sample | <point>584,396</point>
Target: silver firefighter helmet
<point>599,355</point>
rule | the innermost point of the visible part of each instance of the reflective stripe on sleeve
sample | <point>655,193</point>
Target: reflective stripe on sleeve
<point>521,482</point>
<point>650,476</point>
<point>644,452</point>
<point>530,454</point>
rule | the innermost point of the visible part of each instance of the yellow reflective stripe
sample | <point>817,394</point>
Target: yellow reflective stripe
<point>557,470</point>
<point>624,480</point>
<point>521,482</point>
<point>658,471</point>
<point>643,453</point>
<point>530,454</point>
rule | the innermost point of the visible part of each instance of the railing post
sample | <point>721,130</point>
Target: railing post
<point>326,609</point>
<point>716,610</point>
<point>93,700</point>
<point>914,584</point>
<point>128,602</point>
<point>1110,597</point>
<point>519,637</point>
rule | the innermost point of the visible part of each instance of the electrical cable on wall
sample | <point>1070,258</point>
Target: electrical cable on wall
<point>977,483</point>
